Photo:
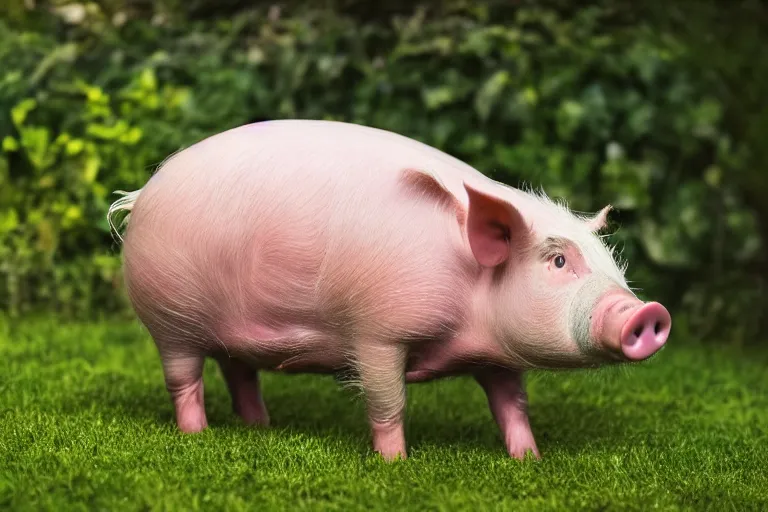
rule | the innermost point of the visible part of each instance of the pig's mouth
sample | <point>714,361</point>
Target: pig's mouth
<point>629,328</point>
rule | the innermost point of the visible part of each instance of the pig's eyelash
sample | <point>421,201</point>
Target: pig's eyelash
<point>551,247</point>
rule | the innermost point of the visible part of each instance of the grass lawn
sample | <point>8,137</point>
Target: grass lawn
<point>86,423</point>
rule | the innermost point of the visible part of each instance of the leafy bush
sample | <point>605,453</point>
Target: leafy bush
<point>591,108</point>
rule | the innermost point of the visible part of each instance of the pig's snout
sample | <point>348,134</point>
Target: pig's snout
<point>645,332</point>
<point>624,324</point>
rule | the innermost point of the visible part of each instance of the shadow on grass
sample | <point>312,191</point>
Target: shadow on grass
<point>316,407</point>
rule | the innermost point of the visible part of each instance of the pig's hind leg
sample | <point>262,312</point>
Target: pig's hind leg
<point>243,383</point>
<point>184,381</point>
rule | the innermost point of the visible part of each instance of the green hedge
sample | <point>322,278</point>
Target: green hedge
<point>585,104</point>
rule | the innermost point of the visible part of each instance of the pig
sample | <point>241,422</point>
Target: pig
<point>330,247</point>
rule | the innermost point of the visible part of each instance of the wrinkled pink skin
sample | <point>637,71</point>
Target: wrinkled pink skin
<point>308,246</point>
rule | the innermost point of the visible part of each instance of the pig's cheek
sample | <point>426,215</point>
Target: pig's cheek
<point>560,277</point>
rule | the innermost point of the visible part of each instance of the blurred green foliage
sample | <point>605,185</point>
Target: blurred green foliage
<point>590,103</point>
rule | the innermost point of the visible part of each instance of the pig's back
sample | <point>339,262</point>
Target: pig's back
<point>296,225</point>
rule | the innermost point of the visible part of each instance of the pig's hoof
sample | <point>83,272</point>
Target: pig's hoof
<point>255,418</point>
<point>523,452</point>
<point>253,412</point>
<point>392,456</point>
<point>389,440</point>
<point>192,425</point>
<point>191,419</point>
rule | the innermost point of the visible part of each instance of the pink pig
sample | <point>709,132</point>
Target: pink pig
<point>317,246</point>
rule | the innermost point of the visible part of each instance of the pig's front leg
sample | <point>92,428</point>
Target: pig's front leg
<point>509,405</point>
<point>381,365</point>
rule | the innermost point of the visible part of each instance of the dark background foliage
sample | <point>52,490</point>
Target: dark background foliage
<point>656,109</point>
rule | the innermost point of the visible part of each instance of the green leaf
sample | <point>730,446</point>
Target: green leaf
<point>713,176</point>
<point>148,80</point>
<point>95,95</point>
<point>91,169</point>
<point>569,118</point>
<point>106,132</point>
<point>490,92</point>
<point>21,110</point>
<point>72,214</point>
<point>529,96</point>
<point>706,117</point>
<point>74,146</point>
<point>36,142</point>
<point>10,144</point>
<point>9,220</point>
<point>437,97</point>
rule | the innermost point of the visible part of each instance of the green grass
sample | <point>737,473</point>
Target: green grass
<point>85,423</point>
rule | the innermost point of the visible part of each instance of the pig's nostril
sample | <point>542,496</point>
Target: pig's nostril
<point>657,328</point>
<point>638,331</point>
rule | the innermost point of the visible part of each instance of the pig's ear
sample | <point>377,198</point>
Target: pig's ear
<point>599,221</point>
<point>425,184</point>
<point>492,225</point>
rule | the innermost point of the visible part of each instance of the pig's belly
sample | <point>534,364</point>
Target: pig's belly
<point>434,359</point>
<point>299,349</point>
<point>289,348</point>
<point>425,372</point>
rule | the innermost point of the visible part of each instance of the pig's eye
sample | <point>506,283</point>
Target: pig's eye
<point>560,261</point>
